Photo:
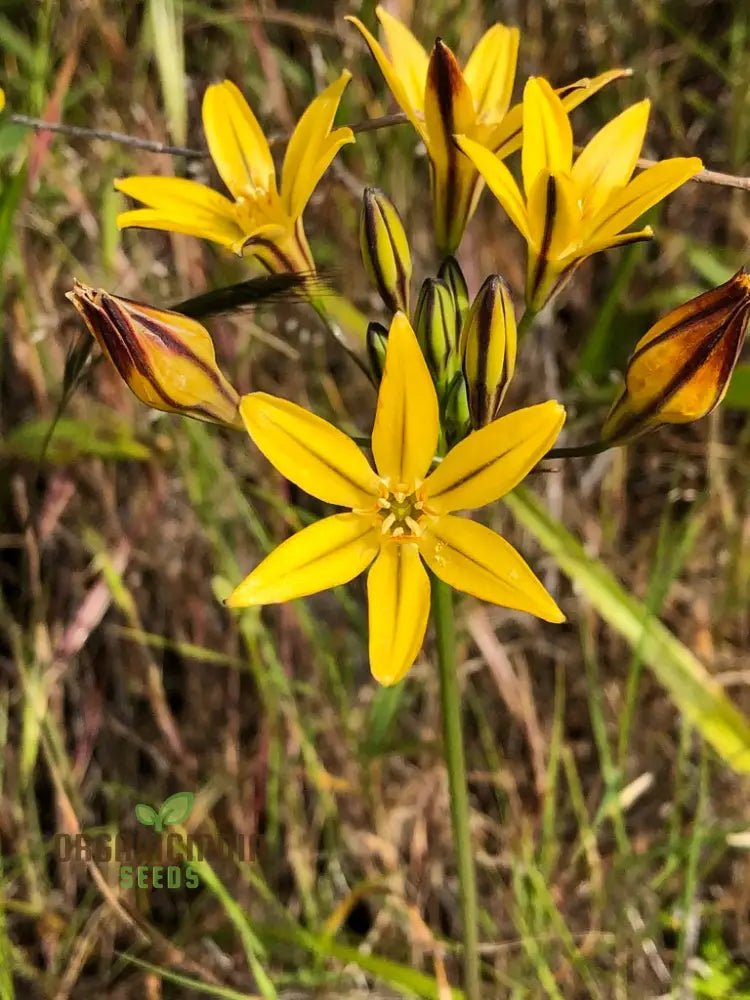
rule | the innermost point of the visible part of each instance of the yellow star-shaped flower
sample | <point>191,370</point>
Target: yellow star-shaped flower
<point>574,209</point>
<point>261,220</point>
<point>440,100</point>
<point>400,515</point>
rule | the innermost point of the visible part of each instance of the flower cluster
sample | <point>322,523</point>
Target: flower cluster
<point>440,440</point>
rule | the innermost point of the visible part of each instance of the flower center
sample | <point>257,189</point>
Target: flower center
<point>401,512</point>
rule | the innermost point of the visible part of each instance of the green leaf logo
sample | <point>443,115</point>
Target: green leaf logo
<point>175,809</point>
<point>146,814</point>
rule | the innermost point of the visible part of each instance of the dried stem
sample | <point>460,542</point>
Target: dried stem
<point>371,125</point>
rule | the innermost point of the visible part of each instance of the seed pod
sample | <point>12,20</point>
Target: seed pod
<point>680,369</point>
<point>385,249</point>
<point>166,359</point>
<point>488,350</point>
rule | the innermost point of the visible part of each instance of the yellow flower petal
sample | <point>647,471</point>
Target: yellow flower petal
<point>398,595</point>
<point>608,160</point>
<point>406,428</point>
<point>312,147</point>
<point>236,141</point>
<point>491,71</point>
<point>206,227</point>
<point>470,557</point>
<point>326,554</point>
<point>174,194</point>
<point>491,461</point>
<point>506,137</point>
<point>642,193</point>
<point>595,246</point>
<point>547,135</point>
<point>574,94</point>
<point>403,87</point>
<point>309,451</point>
<point>407,56</point>
<point>499,180</point>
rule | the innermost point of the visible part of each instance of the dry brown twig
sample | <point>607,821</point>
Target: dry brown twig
<point>715,177</point>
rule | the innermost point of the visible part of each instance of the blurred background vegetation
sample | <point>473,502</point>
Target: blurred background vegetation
<point>609,840</point>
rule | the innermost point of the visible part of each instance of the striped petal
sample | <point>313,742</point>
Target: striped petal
<point>491,461</point>
<point>328,553</point>
<point>312,147</point>
<point>406,428</point>
<point>555,225</point>
<point>398,595</point>
<point>236,141</point>
<point>470,557</point>
<point>547,135</point>
<point>499,180</point>
<point>608,160</point>
<point>309,451</point>
<point>179,206</point>
<point>642,193</point>
<point>404,86</point>
<point>448,110</point>
<point>491,71</point>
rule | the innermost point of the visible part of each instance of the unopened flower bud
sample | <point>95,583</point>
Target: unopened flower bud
<point>435,327</point>
<point>385,249</point>
<point>166,359</point>
<point>377,341</point>
<point>451,273</point>
<point>488,349</point>
<point>680,369</point>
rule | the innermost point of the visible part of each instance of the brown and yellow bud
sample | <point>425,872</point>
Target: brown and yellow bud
<point>449,110</point>
<point>166,359</point>
<point>680,369</point>
<point>385,249</point>
<point>435,327</point>
<point>488,349</point>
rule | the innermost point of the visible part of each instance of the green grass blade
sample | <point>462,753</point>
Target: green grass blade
<point>695,692</point>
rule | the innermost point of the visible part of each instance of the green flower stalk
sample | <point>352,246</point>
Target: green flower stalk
<point>488,350</point>
<point>385,249</point>
<point>680,369</point>
<point>435,326</point>
<point>166,359</point>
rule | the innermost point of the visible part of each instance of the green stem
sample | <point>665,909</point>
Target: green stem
<point>450,701</point>
<point>581,450</point>
<point>525,323</point>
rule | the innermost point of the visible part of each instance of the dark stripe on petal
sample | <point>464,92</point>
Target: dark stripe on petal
<point>445,86</point>
<point>542,260</point>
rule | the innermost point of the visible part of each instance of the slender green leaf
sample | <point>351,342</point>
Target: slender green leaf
<point>695,692</point>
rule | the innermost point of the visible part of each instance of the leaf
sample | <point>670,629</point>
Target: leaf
<point>695,692</point>
<point>146,814</point>
<point>176,808</point>
<point>66,439</point>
